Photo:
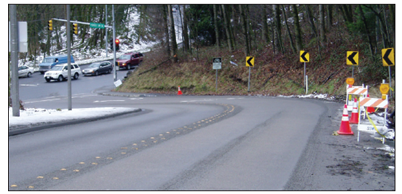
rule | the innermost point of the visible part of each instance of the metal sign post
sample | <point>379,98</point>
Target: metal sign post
<point>304,74</point>
<point>249,64</point>
<point>304,57</point>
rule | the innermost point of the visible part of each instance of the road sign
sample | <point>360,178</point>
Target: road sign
<point>304,56</point>
<point>217,63</point>
<point>388,57</point>
<point>352,58</point>
<point>97,25</point>
<point>249,61</point>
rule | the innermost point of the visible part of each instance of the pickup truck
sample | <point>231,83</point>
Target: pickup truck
<point>129,61</point>
<point>60,72</point>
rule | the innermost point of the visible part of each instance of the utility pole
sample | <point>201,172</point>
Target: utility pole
<point>14,60</point>
<point>114,46</point>
<point>69,58</point>
<point>106,31</point>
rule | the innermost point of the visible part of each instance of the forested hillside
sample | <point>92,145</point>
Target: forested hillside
<point>273,34</point>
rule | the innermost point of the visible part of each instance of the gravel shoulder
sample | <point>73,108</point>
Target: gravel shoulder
<point>331,162</point>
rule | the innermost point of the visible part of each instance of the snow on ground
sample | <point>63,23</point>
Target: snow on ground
<point>32,116</point>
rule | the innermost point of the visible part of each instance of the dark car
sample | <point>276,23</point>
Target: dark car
<point>129,61</point>
<point>98,68</point>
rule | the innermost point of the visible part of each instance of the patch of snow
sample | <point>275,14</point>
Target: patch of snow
<point>32,116</point>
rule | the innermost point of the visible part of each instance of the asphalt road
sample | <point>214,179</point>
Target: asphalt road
<point>36,87</point>
<point>184,143</point>
<point>176,143</point>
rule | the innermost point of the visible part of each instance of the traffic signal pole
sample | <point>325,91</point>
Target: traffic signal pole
<point>106,50</point>
<point>114,47</point>
<point>69,59</point>
<point>15,96</point>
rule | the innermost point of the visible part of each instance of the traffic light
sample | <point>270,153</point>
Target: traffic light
<point>50,25</point>
<point>111,44</point>
<point>75,28</point>
<point>117,41</point>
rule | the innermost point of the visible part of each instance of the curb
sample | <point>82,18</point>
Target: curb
<point>63,123</point>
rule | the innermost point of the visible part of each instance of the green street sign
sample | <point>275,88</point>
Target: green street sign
<point>97,25</point>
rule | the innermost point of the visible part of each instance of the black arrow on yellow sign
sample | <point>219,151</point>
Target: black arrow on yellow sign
<point>351,56</point>
<point>303,56</point>
<point>386,57</point>
<point>250,61</point>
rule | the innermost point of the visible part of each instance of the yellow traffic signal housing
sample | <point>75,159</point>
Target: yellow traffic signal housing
<point>50,25</point>
<point>75,28</point>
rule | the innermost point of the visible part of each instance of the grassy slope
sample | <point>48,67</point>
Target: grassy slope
<point>272,74</point>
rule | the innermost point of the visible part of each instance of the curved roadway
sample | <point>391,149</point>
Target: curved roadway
<point>175,143</point>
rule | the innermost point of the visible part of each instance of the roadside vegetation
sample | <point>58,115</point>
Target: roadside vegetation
<point>278,69</point>
<point>273,34</point>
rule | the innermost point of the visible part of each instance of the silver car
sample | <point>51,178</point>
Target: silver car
<point>25,71</point>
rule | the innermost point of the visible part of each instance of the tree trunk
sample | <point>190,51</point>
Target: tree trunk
<point>265,32</point>
<point>278,38</point>
<point>383,26</point>
<point>310,19</point>
<point>185,31</point>
<point>244,24</point>
<point>172,34</point>
<point>217,43</point>
<point>226,28</point>
<point>166,29</point>
<point>288,30</point>
<point>299,42</point>
<point>329,16</point>
<point>322,26</point>
<point>367,31</point>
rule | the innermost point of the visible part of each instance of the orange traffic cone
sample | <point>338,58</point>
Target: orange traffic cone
<point>345,129</point>
<point>179,93</point>
<point>370,109</point>
<point>354,119</point>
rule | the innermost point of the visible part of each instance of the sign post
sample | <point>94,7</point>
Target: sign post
<point>352,58</point>
<point>388,59</point>
<point>249,64</point>
<point>217,64</point>
<point>304,57</point>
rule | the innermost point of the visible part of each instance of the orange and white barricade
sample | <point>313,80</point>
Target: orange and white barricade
<point>369,126</point>
<point>361,91</point>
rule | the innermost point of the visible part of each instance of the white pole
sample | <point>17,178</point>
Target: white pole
<point>114,47</point>
<point>106,49</point>
<point>306,84</point>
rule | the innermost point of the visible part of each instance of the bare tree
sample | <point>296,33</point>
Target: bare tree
<point>172,34</point>
<point>299,42</point>
<point>216,27</point>
<point>244,23</point>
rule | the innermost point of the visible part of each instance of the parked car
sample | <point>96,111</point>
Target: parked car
<point>51,61</point>
<point>25,71</point>
<point>98,68</point>
<point>129,61</point>
<point>60,72</point>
